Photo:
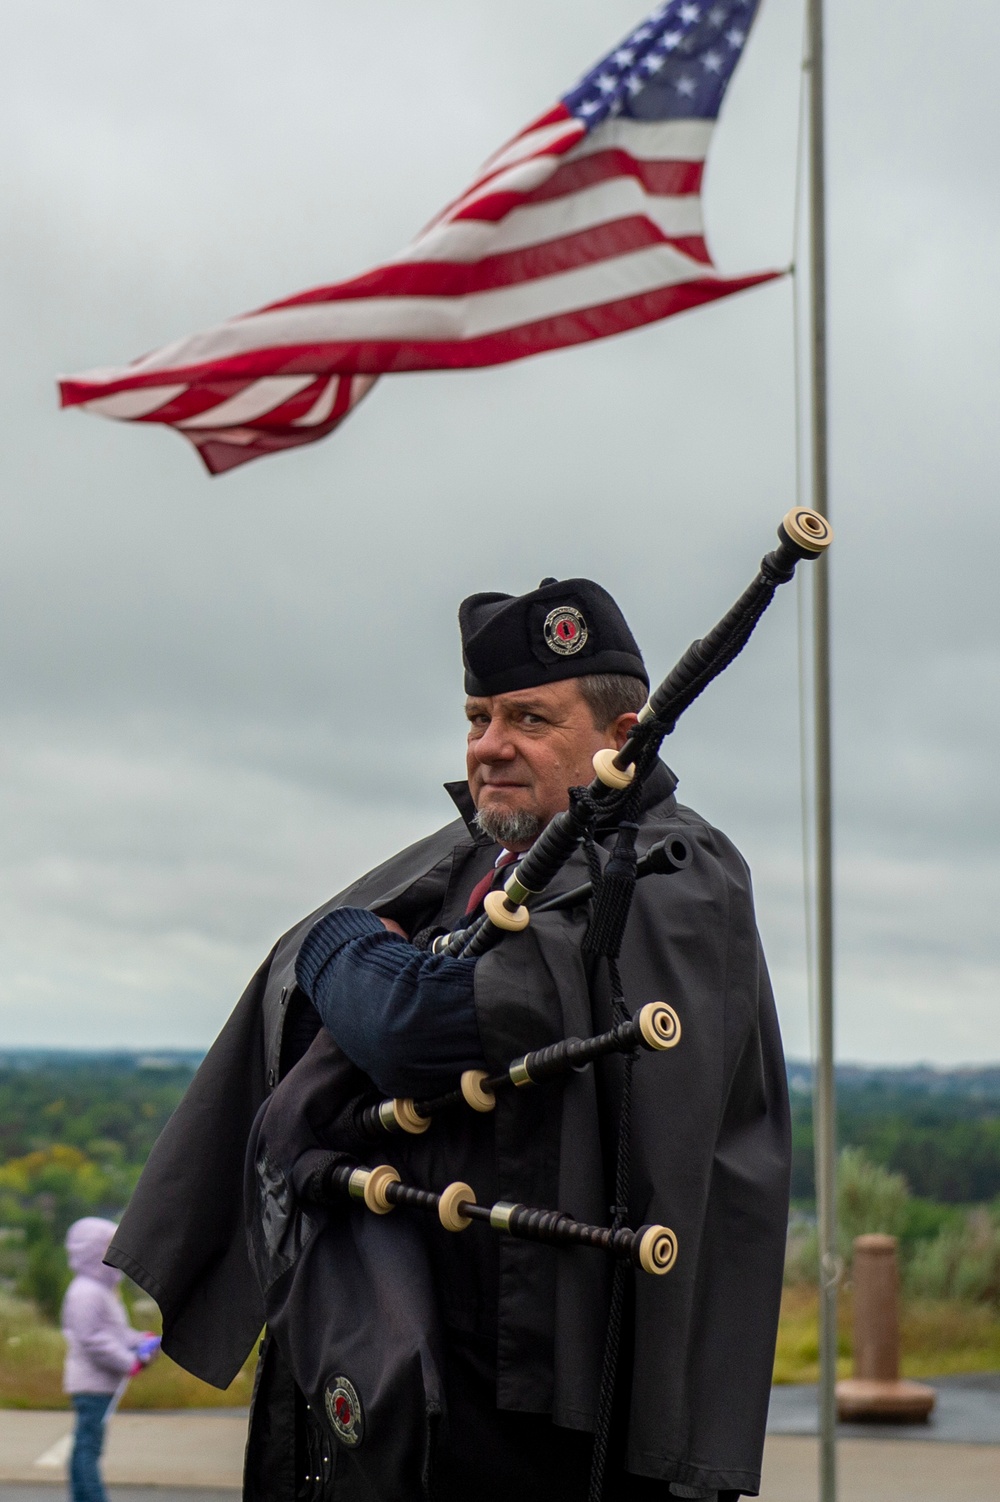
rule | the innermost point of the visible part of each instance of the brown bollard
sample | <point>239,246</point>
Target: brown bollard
<point>876,1391</point>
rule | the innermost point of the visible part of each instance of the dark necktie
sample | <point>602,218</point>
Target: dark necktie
<point>482,887</point>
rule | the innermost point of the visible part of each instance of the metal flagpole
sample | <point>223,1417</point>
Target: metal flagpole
<point>825,1107</point>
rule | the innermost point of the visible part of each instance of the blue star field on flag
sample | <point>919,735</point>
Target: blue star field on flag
<point>675,66</point>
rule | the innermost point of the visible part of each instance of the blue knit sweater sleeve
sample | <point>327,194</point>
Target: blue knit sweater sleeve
<point>406,1017</point>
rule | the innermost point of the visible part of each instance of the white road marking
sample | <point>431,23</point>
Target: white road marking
<point>57,1455</point>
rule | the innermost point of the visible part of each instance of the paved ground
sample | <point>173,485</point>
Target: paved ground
<point>32,1492</point>
<point>193,1449</point>
<point>879,1470</point>
<point>967,1411</point>
<point>196,1456</point>
<point>891,1462</point>
<point>870,1471</point>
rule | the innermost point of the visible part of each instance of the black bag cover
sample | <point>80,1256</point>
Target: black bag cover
<point>347,1294</point>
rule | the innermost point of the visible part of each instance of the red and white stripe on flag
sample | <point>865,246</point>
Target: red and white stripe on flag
<point>573,231</point>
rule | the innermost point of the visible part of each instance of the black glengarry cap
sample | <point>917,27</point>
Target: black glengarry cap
<point>566,628</point>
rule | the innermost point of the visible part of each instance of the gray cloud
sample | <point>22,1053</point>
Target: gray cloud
<point>222,699</point>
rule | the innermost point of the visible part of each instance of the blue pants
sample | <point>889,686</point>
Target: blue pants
<point>84,1468</point>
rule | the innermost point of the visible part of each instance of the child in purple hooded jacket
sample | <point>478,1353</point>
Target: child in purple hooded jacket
<point>101,1348</point>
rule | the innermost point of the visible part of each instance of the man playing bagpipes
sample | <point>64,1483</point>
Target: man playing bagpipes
<point>497,1144</point>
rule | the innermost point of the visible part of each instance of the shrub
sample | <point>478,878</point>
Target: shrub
<point>801,1251</point>
<point>870,1198</point>
<point>46,1273</point>
<point>962,1262</point>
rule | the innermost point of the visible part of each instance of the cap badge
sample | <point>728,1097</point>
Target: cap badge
<point>343,1409</point>
<point>565,630</point>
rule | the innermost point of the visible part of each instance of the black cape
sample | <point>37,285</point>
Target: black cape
<point>710,1155</point>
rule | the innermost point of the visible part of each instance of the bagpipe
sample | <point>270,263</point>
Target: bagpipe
<point>379,1189</point>
<point>614,797</point>
<point>608,810</point>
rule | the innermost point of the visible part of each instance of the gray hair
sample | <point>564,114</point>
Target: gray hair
<point>512,829</point>
<point>608,695</point>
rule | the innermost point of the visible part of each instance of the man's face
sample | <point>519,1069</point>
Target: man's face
<point>527,749</point>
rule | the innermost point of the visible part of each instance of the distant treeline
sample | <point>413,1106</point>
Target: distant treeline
<point>108,1105</point>
<point>939,1129</point>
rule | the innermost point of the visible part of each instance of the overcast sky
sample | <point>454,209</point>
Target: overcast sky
<point>221,699</point>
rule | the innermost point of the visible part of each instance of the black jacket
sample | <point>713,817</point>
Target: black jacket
<point>710,1157</point>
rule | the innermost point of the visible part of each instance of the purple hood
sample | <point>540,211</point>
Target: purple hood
<point>87,1241</point>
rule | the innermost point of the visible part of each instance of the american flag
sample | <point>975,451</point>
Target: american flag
<point>587,223</point>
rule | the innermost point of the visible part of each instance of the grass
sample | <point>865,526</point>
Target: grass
<point>31,1360</point>
<point>938,1337</point>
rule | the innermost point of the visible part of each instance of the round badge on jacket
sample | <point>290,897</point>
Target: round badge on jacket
<point>565,630</point>
<point>343,1409</point>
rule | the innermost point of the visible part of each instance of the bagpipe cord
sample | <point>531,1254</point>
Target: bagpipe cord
<point>613,887</point>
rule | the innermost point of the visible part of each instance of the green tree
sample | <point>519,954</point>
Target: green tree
<point>43,1192</point>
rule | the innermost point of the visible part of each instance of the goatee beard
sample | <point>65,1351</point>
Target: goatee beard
<point>513,829</point>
